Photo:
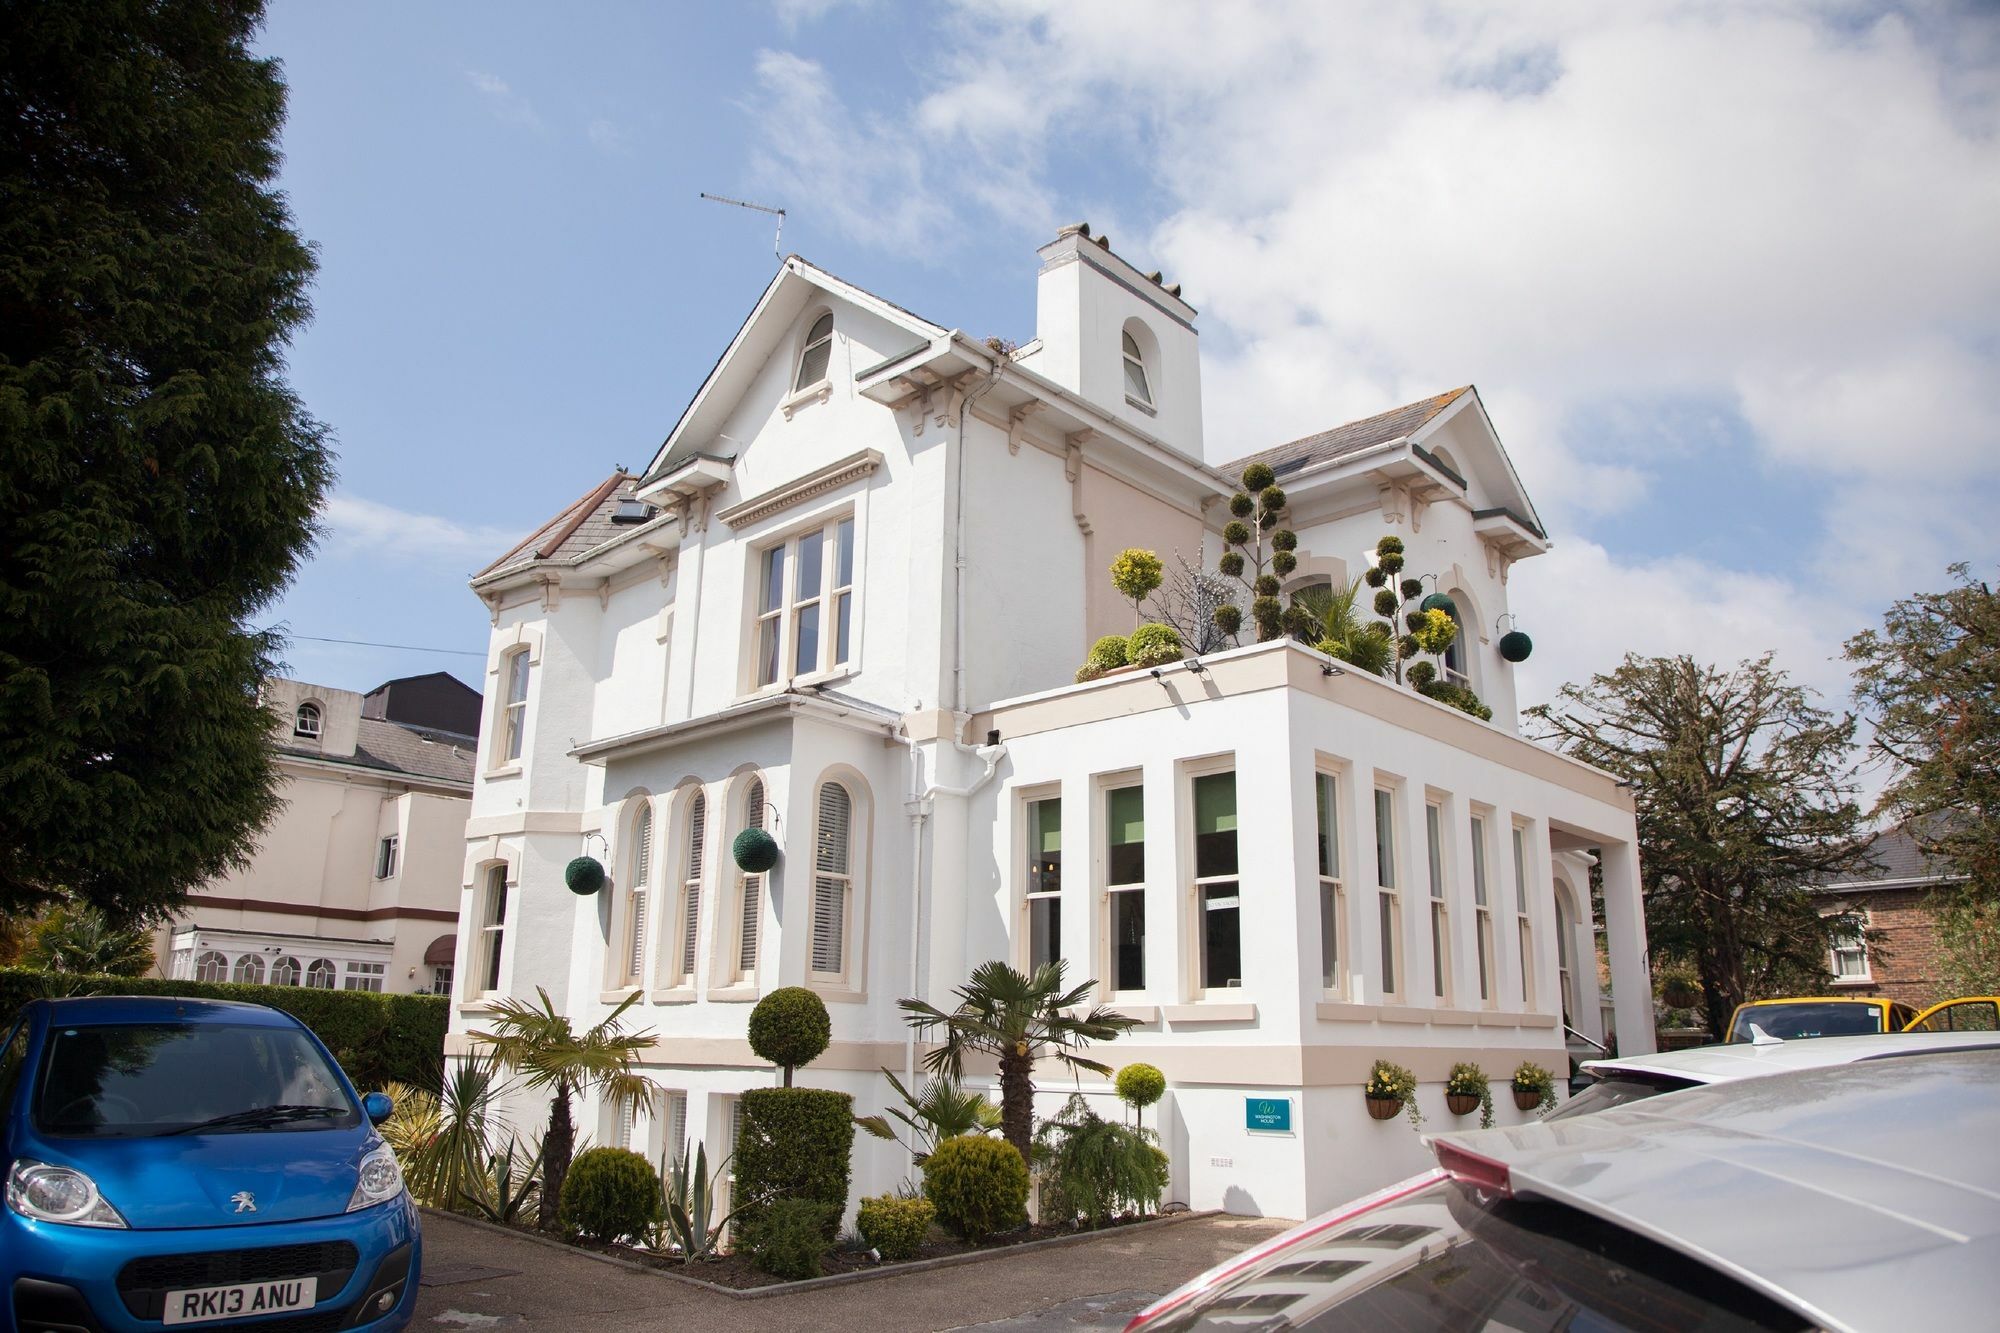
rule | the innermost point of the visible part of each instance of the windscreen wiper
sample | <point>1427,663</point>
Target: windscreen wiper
<point>258,1117</point>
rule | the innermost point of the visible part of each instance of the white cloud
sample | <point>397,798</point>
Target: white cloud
<point>794,13</point>
<point>368,528</point>
<point>506,104</point>
<point>608,136</point>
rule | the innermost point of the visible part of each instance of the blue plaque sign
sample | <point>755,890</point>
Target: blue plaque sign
<point>1267,1115</point>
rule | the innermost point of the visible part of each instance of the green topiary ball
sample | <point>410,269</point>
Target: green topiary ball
<point>1231,564</point>
<point>789,1027</point>
<point>1438,601</point>
<point>1284,539</point>
<point>1110,651</point>
<point>1407,646</point>
<point>1391,563</point>
<point>1140,1085</point>
<point>1385,602</point>
<point>1284,562</point>
<point>1267,585</point>
<point>1228,618</point>
<point>1258,476</point>
<point>1156,645</point>
<point>1235,533</point>
<point>1272,498</point>
<point>755,851</point>
<point>1412,587</point>
<point>1515,646</point>
<point>1376,577</point>
<point>1389,546</point>
<point>978,1185</point>
<point>1421,674</point>
<point>609,1193</point>
<point>1415,621</point>
<point>1242,505</point>
<point>584,875</point>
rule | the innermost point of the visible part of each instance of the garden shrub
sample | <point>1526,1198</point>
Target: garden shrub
<point>1095,1167</point>
<point>609,1193</point>
<point>791,1236</point>
<point>797,1143</point>
<point>893,1226</point>
<point>376,1038</point>
<point>789,1027</point>
<point>1154,645</point>
<point>978,1185</point>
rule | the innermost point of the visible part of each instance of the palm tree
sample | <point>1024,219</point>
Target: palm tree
<point>937,1111</point>
<point>541,1045</point>
<point>1340,630</point>
<point>1019,1019</point>
<point>80,939</point>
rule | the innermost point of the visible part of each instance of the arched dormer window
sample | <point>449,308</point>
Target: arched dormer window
<point>1137,387</point>
<point>817,355</point>
<point>306,722</point>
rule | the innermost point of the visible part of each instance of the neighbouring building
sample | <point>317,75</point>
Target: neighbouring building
<point>1890,902</point>
<point>355,885</point>
<point>845,604</point>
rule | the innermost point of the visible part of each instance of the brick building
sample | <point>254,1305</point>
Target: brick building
<point>1893,903</point>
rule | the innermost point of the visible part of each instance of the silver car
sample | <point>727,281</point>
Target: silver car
<point>1859,1196</point>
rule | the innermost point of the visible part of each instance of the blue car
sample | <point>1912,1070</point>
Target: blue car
<point>194,1163</point>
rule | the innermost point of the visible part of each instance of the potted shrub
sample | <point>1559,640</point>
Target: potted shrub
<point>1467,1090</point>
<point>1534,1087</point>
<point>1391,1088</point>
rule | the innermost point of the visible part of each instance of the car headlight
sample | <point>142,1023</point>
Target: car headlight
<point>381,1179</point>
<point>58,1194</point>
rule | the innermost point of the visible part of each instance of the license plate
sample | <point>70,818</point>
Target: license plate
<point>201,1305</point>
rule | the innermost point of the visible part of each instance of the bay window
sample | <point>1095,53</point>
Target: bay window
<point>1332,901</point>
<point>1217,891</point>
<point>805,604</point>
<point>1125,885</point>
<point>1044,896</point>
<point>1387,900</point>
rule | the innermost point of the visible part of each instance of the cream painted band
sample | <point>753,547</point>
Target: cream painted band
<point>835,474</point>
<point>524,821</point>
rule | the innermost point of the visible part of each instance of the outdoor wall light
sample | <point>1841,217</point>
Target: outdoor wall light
<point>1194,664</point>
<point>1328,669</point>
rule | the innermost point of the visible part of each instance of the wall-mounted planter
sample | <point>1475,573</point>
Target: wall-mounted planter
<point>1461,1103</point>
<point>1384,1108</point>
<point>1526,1101</point>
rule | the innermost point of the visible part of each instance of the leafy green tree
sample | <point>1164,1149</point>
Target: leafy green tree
<point>1744,798</point>
<point>552,1055</point>
<point>1258,553</point>
<point>1017,1018</point>
<point>74,937</point>
<point>158,479</point>
<point>1930,680</point>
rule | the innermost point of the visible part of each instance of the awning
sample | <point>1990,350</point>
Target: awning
<point>441,950</point>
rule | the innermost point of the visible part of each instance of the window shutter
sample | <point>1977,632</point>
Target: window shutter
<point>677,1124</point>
<point>691,915</point>
<point>642,871</point>
<point>832,841</point>
<point>753,891</point>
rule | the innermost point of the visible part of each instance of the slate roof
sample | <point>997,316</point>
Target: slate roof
<point>1350,438</point>
<point>582,524</point>
<point>391,747</point>
<point>1898,861</point>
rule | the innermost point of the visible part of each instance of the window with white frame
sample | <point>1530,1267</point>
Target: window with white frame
<point>674,1127</point>
<point>638,887</point>
<point>1332,897</point>
<point>441,975</point>
<point>1458,654</point>
<point>1440,917</point>
<point>211,965</point>
<point>1044,894</point>
<point>1388,901</point>
<point>492,930</point>
<point>1218,896</point>
<point>1521,915</point>
<point>249,970</point>
<point>364,976</point>
<point>1848,955</point>
<point>749,893</point>
<point>514,715</point>
<point>805,603</point>
<point>320,974</point>
<point>385,857</point>
<point>1565,927</point>
<point>306,722</point>
<point>1482,910</point>
<point>833,880</point>
<point>285,971</point>
<point>817,355</point>
<point>1125,886</point>
<point>696,842</point>
<point>1136,385</point>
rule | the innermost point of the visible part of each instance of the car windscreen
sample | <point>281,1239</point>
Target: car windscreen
<point>1808,1019</point>
<point>141,1079</point>
<point>1616,1088</point>
<point>1451,1261</point>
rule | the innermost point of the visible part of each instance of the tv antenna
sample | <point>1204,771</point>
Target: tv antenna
<point>778,241</point>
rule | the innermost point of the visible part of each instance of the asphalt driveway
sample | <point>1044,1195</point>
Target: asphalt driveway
<point>476,1278</point>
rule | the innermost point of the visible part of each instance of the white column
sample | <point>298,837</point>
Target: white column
<point>1625,941</point>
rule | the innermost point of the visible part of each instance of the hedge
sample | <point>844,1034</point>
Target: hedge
<point>796,1143</point>
<point>376,1038</point>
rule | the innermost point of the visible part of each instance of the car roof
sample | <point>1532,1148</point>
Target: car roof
<point>1742,1059</point>
<point>162,1008</point>
<point>1864,1195</point>
<point>1877,1000</point>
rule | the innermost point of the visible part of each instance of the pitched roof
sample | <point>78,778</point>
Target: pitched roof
<point>392,747</point>
<point>582,524</point>
<point>1898,860</point>
<point>1351,438</point>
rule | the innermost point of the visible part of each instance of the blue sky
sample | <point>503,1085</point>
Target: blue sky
<point>1725,275</point>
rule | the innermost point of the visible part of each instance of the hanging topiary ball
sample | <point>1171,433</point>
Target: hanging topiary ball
<point>1515,646</point>
<point>585,876</point>
<point>755,851</point>
<point>1438,601</point>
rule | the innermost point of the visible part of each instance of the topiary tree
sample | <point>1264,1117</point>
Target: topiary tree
<point>609,1193</point>
<point>978,1185</point>
<point>1139,1086</point>
<point>1107,654</point>
<point>789,1027</point>
<point>1136,573</point>
<point>1155,645</point>
<point>1257,553</point>
<point>796,1143</point>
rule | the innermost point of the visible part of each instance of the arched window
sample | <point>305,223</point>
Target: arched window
<point>690,931</point>
<point>635,895</point>
<point>1136,385</point>
<point>211,966</point>
<point>492,932</point>
<point>285,971</point>
<point>514,724</point>
<point>1565,923</point>
<point>249,969</point>
<point>306,722</point>
<point>1459,653</point>
<point>319,974</point>
<point>750,890</point>
<point>818,353</point>
<point>833,880</point>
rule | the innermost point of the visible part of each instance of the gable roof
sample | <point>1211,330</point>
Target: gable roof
<point>583,523</point>
<point>1352,437</point>
<point>1899,862</point>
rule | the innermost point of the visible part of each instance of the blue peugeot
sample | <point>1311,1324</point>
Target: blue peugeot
<point>194,1163</point>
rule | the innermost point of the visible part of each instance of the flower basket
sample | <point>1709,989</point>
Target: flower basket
<point>1527,1101</point>
<point>1460,1103</point>
<point>1384,1108</point>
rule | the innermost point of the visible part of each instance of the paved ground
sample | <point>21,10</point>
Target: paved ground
<point>476,1279</point>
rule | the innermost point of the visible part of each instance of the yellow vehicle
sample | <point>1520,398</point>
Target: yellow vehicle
<point>1968,1013</point>
<point>1819,1016</point>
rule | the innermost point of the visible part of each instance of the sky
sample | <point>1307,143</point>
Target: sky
<point>1727,276</point>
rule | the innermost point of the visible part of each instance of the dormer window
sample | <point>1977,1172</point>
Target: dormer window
<point>306,723</point>
<point>819,351</point>
<point>1136,386</point>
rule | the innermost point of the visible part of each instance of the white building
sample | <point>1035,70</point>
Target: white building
<point>355,884</point>
<point>845,603</point>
